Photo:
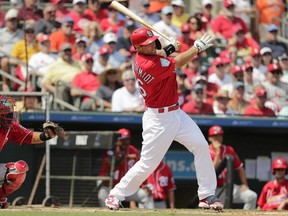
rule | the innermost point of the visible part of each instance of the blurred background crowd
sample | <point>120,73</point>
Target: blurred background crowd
<point>80,52</point>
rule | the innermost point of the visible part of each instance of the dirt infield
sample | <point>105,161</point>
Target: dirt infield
<point>37,210</point>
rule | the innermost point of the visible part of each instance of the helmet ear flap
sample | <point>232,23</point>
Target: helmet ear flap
<point>158,44</point>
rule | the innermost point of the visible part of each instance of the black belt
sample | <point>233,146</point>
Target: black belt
<point>158,200</point>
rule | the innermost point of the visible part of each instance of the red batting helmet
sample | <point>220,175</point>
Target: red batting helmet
<point>215,130</point>
<point>279,163</point>
<point>144,36</point>
<point>125,133</point>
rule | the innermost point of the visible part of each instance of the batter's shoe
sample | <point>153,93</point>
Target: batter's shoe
<point>112,203</point>
<point>211,202</point>
<point>3,203</point>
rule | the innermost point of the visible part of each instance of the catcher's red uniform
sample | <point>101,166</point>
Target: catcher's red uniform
<point>225,150</point>
<point>273,194</point>
<point>123,164</point>
<point>161,181</point>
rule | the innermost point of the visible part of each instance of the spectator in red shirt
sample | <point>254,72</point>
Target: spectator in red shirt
<point>81,20</point>
<point>206,18</point>
<point>32,13</point>
<point>95,12</point>
<point>87,80</point>
<point>61,10</point>
<point>196,105</point>
<point>112,23</point>
<point>184,39</point>
<point>257,107</point>
<point>224,24</point>
<point>242,42</point>
<point>218,151</point>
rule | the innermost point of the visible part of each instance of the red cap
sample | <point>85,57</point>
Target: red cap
<point>273,67</point>
<point>237,28</point>
<point>215,130</point>
<point>86,57</point>
<point>225,54</point>
<point>260,92</point>
<point>217,61</point>
<point>125,133</point>
<point>248,65</point>
<point>237,69</point>
<point>185,28</point>
<point>55,1</point>
<point>43,38</point>
<point>104,50</point>
<point>228,3</point>
<point>255,52</point>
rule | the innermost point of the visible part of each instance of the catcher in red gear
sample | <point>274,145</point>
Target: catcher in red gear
<point>274,195</point>
<point>13,174</point>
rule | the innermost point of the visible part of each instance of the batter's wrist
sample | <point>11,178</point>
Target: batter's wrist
<point>169,49</point>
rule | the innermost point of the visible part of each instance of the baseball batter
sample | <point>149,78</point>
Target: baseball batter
<point>274,195</point>
<point>13,174</point>
<point>163,121</point>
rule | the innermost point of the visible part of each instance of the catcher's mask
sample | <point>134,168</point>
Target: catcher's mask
<point>7,114</point>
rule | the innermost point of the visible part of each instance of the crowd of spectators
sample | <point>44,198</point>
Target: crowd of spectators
<point>81,49</point>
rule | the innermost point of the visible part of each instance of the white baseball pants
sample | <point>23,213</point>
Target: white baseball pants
<point>159,131</point>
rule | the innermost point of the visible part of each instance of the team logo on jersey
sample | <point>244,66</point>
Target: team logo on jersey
<point>164,62</point>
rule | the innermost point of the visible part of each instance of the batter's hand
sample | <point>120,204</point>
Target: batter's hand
<point>204,42</point>
<point>176,44</point>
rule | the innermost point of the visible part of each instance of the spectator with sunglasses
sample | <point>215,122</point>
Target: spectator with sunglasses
<point>272,42</point>
<point>236,76</point>
<point>276,90</point>
<point>128,98</point>
<point>196,104</point>
<point>219,76</point>
<point>248,81</point>
<point>48,23</point>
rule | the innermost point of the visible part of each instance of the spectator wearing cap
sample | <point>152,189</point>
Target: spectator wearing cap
<point>248,81</point>
<point>283,61</point>
<point>238,103</point>
<point>61,10</point>
<point>94,36</point>
<point>268,10</point>
<point>10,35</point>
<point>243,43</point>
<point>165,25</point>
<point>207,17</point>
<point>127,98</point>
<point>80,48</point>
<point>184,39</point>
<point>259,69</point>
<point>81,20</point>
<point>272,42</point>
<point>276,90</point>
<point>116,59</point>
<point>19,51</point>
<point>48,23</point>
<point>245,10</point>
<point>40,61</point>
<point>64,69</point>
<point>257,107</point>
<point>183,91</point>
<point>224,24</point>
<point>220,103</point>
<point>87,80</point>
<point>179,16</point>
<point>196,29</point>
<point>95,11</point>
<point>266,56</point>
<point>196,104</point>
<point>101,60</point>
<point>31,12</point>
<point>237,75</point>
<point>112,23</point>
<point>146,15</point>
<point>110,81</point>
<point>219,76</point>
<point>64,35</point>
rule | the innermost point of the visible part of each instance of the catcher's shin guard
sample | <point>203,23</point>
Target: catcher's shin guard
<point>12,176</point>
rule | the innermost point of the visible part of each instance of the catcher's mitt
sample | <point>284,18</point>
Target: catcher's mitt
<point>55,129</point>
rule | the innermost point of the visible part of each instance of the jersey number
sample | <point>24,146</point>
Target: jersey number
<point>142,90</point>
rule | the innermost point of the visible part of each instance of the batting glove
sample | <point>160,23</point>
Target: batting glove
<point>204,42</point>
<point>176,44</point>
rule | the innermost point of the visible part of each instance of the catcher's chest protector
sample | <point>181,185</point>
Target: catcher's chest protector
<point>12,176</point>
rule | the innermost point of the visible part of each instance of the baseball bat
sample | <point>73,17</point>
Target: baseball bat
<point>119,7</point>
